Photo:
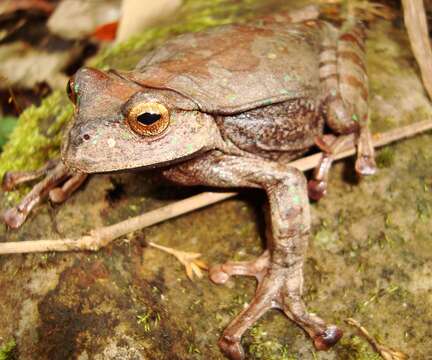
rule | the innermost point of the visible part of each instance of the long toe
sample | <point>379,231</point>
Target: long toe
<point>328,338</point>
<point>366,166</point>
<point>14,218</point>
<point>317,189</point>
<point>231,349</point>
<point>217,275</point>
<point>8,182</point>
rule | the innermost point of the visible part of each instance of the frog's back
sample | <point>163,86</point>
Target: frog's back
<point>234,68</point>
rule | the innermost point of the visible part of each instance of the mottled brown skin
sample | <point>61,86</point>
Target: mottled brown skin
<point>243,100</point>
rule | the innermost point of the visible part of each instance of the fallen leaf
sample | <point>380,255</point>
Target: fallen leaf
<point>106,32</point>
<point>190,260</point>
<point>77,19</point>
<point>24,67</point>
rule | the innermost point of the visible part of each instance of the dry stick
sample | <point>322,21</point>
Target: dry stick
<point>416,24</point>
<point>103,236</point>
<point>385,352</point>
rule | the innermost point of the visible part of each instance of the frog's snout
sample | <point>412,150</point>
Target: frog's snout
<point>76,148</point>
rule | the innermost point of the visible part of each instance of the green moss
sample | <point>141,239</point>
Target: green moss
<point>420,113</point>
<point>7,350</point>
<point>385,157</point>
<point>355,348</point>
<point>7,124</point>
<point>37,135</point>
<point>148,320</point>
<point>262,348</point>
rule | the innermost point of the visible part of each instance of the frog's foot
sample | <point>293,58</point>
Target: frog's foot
<point>220,274</point>
<point>365,163</point>
<point>55,174</point>
<point>330,145</point>
<point>279,288</point>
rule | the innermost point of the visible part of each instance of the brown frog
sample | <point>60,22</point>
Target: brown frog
<point>229,107</point>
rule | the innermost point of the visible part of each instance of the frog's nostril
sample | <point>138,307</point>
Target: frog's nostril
<point>86,137</point>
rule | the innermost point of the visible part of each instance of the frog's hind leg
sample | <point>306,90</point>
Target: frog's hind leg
<point>279,271</point>
<point>345,82</point>
<point>56,173</point>
<point>329,145</point>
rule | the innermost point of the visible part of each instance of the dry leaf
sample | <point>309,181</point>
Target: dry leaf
<point>190,260</point>
<point>76,19</point>
<point>137,15</point>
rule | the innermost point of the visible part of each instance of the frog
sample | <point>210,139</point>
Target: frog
<point>229,107</point>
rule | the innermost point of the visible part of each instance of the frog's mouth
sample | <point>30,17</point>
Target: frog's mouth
<point>81,163</point>
<point>104,145</point>
<point>102,156</point>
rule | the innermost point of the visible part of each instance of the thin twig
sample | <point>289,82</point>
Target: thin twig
<point>101,237</point>
<point>416,24</point>
<point>386,353</point>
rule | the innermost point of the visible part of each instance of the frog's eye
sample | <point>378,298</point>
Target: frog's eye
<point>148,118</point>
<point>70,90</point>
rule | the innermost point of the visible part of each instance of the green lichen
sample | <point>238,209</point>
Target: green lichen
<point>7,350</point>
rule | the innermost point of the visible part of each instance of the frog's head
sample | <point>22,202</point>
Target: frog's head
<point>118,124</point>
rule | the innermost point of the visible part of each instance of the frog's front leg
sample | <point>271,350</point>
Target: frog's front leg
<point>279,271</point>
<point>56,173</point>
<point>345,82</point>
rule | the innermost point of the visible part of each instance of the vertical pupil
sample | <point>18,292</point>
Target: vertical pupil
<point>148,118</point>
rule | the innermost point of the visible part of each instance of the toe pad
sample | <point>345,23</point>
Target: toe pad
<point>231,349</point>
<point>328,338</point>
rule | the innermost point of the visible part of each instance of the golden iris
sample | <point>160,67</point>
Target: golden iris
<point>148,118</point>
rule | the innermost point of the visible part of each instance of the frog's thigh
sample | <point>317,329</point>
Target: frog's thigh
<point>221,170</point>
<point>343,74</point>
<point>285,187</point>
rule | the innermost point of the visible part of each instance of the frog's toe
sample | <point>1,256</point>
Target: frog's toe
<point>317,189</point>
<point>329,337</point>
<point>217,275</point>
<point>55,173</point>
<point>61,194</point>
<point>14,218</point>
<point>8,182</point>
<point>365,165</point>
<point>11,179</point>
<point>232,349</point>
<point>220,274</point>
